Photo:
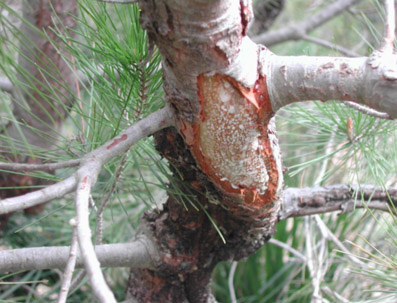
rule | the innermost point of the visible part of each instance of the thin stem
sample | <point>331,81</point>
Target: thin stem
<point>368,111</point>
<point>316,260</point>
<point>329,235</point>
<point>99,228</point>
<point>288,248</point>
<point>334,294</point>
<point>230,282</point>
<point>324,164</point>
<point>114,147</point>
<point>76,281</point>
<point>137,254</point>
<point>69,269</point>
<point>92,265</point>
<point>390,25</point>
<point>6,85</point>
<point>78,92</point>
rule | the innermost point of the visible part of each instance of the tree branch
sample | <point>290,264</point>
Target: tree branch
<point>70,266</point>
<point>136,254</point>
<point>390,25</point>
<point>288,248</point>
<point>23,167</point>
<point>116,146</point>
<point>299,202</point>
<point>87,178</point>
<point>46,194</point>
<point>298,30</point>
<point>368,111</point>
<point>370,81</point>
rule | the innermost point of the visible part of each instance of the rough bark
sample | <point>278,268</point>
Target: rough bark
<point>225,90</point>
<point>188,244</point>
<point>225,148</point>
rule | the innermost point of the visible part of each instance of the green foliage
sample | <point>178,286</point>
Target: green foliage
<point>120,84</point>
<point>321,133</point>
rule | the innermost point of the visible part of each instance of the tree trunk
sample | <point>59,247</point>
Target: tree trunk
<point>189,245</point>
<point>225,90</point>
<point>225,149</point>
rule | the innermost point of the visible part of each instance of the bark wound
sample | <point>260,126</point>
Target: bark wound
<point>232,144</point>
<point>117,141</point>
<point>84,183</point>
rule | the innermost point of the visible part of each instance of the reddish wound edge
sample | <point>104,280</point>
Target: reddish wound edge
<point>255,104</point>
<point>117,141</point>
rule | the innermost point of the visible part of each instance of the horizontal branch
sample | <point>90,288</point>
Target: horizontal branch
<point>23,167</point>
<point>369,81</point>
<point>46,194</point>
<point>134,254</point>
<point>299,202</point>
<point>114,147</point>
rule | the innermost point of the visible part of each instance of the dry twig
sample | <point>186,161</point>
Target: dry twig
<point>298,30</point>
<point>69,269</point>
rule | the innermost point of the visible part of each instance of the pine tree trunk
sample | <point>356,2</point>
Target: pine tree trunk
<point>225,90</point>
<point>224,150</point>
<point>189,245</point>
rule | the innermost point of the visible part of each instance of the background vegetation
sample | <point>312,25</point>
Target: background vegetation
<point>319,148</point>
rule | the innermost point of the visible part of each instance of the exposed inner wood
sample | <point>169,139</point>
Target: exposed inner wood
<point>232,143</point>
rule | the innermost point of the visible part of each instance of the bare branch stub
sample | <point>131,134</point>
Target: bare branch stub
<point>299,202</point>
